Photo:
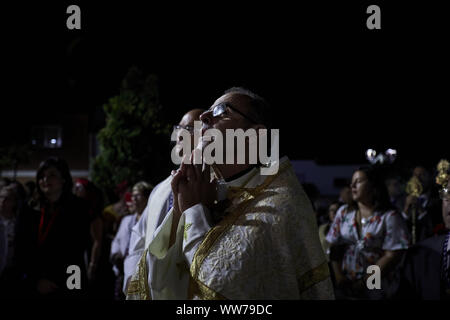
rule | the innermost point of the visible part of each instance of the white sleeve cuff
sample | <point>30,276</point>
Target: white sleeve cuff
<point>197,224</point>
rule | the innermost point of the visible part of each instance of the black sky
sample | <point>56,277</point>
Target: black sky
<point>337,88</point>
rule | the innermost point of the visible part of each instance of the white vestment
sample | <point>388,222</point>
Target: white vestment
<point>142,233</point>
<point>265,247</point>
<point>121,242</point>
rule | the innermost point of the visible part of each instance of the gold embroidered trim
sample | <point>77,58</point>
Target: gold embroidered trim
<point>186,228</point>
<point>138,287</point>
<point>196,287</point>
<point>202,291</point>
<point>313,276</point>
<point>247,193</point>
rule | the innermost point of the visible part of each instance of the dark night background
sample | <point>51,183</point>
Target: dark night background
<point>337,88</point>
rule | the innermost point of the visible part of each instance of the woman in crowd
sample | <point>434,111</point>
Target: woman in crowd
<point>86,190</point>
<point>324,228</point>
<point>113,213</point>
<point>55,237</point>
<point>119,247</point>
<point>370,232</point>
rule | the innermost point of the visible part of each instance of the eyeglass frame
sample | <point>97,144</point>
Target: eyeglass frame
<point>188,128</point>
<point>228,105</point>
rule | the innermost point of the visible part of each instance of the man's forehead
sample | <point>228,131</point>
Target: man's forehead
<point>189,118</point>
<point>236,99</point>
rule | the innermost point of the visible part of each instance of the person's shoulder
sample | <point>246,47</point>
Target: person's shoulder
<point>426,250</point>
<point>434,243</point>
<point>126,219</point>
<point>163,183</point>
<point>345,208</point>
<point>108,209</point>
<point>389,213</point>
<point>166,183</point>
<point>284,185</point>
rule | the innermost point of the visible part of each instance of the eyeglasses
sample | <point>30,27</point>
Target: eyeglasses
<point>444,194</point>
<point>188,128</point>
<point>220,109</point>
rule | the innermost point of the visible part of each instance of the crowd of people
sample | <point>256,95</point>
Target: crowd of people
<point>59,222</point>
<point>381,224</point>
<point>225,230</point>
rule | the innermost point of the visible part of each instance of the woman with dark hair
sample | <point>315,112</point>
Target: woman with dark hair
<point>56,236</point>
<point>370,232</point>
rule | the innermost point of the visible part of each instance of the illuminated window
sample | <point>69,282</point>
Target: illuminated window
<point>47,137</point>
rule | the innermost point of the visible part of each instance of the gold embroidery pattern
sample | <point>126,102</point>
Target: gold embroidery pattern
<point>313,277</point>
<point>186,228</point>
<point>245,195</point>
<point>138,288</point>
<point>203,250</point>
<point>199,289</point>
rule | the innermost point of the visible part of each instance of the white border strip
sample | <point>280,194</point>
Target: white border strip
<point>32,173</point>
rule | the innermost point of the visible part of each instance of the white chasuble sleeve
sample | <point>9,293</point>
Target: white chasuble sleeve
<point>135,250</point>
<point>169,267</point>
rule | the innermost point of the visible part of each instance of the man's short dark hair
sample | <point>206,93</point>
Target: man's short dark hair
<point>261,110</point>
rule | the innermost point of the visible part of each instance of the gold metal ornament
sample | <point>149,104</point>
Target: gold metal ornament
<point>443,172</point>
<point>414,188</point>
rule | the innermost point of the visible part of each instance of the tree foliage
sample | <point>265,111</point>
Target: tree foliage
<point>134,145</point>
<point>14,155</point>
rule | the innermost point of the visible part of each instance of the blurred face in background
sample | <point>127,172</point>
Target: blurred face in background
<point>187,123</point>
<point>131,206</point>
<point>346,195</point>
<point>394,187</point>
<point>424,176</point>
<point>79,190</point>
<point>51,182</point>
<point>361,190</point>
<point>332,209</point>
<point>139,201</point>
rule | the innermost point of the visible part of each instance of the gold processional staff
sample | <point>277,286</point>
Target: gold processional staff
<point>415,189</point>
